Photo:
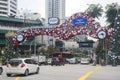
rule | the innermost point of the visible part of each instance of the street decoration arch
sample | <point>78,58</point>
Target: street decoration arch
<point>77,24</point>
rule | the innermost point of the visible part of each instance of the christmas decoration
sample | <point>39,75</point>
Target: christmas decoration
<point>78,23</point>
<point>115,40</point>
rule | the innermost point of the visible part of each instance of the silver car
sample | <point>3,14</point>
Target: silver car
<point>22,66</point>
<point>85,60</point>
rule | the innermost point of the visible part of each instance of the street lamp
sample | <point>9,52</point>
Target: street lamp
<point>34,47</point>
<point>30,46</point>
<point>2,56</point>
<point>52,47</point>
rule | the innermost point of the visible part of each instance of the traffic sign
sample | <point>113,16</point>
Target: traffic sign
<point>53,20</point>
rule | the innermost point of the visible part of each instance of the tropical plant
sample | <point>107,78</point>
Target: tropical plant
<point>111,13</point>
<point>95,10</point>
<point>52,49</point>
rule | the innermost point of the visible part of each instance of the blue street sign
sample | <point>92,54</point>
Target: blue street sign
<point>85,44</point>
<point>80,21</point>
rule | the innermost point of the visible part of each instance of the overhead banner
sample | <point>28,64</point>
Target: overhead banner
<point>80,21</point>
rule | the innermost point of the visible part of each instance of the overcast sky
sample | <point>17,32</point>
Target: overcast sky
<point>72,6</point>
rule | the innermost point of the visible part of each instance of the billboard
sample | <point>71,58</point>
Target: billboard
<point>80,21</point>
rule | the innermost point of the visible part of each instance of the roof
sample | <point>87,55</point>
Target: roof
<point>2,41</point>
<point>63,52</point>
<point>11,19</point>
<point>27,43</point>
<point>25,28</point>
<point>20,58</point>
<point>5,31</point>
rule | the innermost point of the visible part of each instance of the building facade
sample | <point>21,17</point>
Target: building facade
<point>55,8</point>
<point>8,8</point>
<point>8,28</point>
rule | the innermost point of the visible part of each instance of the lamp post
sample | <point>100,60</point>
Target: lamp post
<point>30,46</point>
<point>52,47</point>
<point>34,47</point>
<point>102,36</point>
<point>2,52</point>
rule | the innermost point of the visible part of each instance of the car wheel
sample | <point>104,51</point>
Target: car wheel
<point>51,64</point>
<point>8,75</point>
<point>37,71</point>
<point>26,72</point>
<point>1,70</point>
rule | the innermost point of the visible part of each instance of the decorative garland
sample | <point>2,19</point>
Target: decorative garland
<point>67,30</point>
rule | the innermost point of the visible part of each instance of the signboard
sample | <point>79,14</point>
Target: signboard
<point>86,44</point>
<point>20,37</point>
<point>80,21</point>
<point>53,20</point>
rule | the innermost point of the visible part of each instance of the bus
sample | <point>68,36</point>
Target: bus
<point>66,57</point>
<point>62,54</point>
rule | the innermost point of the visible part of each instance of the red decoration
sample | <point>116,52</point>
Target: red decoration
<point>67,30</point>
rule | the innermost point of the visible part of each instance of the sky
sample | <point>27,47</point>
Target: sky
<point>72,6</point>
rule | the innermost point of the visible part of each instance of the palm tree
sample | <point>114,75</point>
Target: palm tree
<point>111,13</point>
<point>95,10</point>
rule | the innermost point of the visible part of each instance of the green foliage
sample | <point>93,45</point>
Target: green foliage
<point>95,10</point>
<point>52,49</point>
<point>115,40</point>
<point>111,13</point>
<point>99,50</point>
<point>47,50</point>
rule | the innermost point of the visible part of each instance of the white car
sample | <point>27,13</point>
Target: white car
<point>85,60</point>
<point>22,66</point>
<point>49,61</point>
<point>72,61</point>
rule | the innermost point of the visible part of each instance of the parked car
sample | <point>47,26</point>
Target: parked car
<point>40,59</point>
<point>85,60</point>
<point>56,61</point>
<point>49,61</point>
<point>22,66</point>
<point>72,60</point>
<point>1,69</point>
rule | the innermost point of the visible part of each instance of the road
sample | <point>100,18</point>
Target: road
<point>70,72</point>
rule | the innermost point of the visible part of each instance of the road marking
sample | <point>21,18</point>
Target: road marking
<point>84,77</point>
<point>17,78</point>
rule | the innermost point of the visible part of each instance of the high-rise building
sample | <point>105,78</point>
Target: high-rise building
<point>55,8</point>
<point>8,7</point>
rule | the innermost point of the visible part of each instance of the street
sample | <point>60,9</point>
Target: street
<point>70,72</point>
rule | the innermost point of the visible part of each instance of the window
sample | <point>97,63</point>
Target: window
<point>15,62</point>
<point>29,61</point>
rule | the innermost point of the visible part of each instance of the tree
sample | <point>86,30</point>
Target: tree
<point>51,49</point>
<point>95,10</point>
<point>116,36</point>
<point>8,50</point>
<point>42,50</point>
<point>111,13</point>
<point>113,17</point>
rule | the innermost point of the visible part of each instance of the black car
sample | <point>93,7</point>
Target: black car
<point>1,70</point>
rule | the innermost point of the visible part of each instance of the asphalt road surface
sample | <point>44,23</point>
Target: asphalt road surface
<point>70,72</point>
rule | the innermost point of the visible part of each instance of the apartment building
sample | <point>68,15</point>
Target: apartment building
<point>8,8</point>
